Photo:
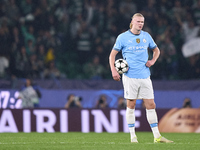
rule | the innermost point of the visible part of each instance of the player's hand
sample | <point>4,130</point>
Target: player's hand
<point>150,63</point>
<point>116,75</point>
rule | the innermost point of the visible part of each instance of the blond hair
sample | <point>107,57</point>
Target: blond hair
<point>138,15</point>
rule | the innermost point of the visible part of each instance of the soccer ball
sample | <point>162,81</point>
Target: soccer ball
<point>121,66</point>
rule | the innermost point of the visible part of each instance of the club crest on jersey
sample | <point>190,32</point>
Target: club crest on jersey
<point>138,40</point>
<point>144,40</point>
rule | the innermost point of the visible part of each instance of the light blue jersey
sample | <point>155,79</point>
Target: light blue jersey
<point>135,51</point>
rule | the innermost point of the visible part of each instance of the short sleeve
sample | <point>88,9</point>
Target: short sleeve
<point>152,44</point>
<point>118,44</point>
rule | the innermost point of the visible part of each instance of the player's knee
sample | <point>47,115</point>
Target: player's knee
<point>151,105</point>
<point>131,104</point>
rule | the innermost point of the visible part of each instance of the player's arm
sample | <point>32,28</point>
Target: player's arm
<point>115,74</point>
<point>156,54</point>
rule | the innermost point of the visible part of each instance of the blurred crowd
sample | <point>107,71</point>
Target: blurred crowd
<point>74,101</point>
<point>55,39</point>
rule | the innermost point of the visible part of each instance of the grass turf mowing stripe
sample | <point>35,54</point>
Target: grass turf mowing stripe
<point>95,141</point>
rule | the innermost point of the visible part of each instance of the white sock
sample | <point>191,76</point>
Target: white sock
<point>153,121</point>
<point>130,118</point>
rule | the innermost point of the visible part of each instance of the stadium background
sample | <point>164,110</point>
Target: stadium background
<point>63,45</point>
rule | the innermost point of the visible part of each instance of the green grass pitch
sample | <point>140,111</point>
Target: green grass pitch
<point>96,141</point>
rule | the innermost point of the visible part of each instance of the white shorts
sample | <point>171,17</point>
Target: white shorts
<point>137,88</point>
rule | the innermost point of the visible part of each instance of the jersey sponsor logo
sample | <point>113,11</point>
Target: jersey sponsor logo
<point>139,51</point>
<point>144,40</point>
<point>138,40</point>
<point>137,47</point>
